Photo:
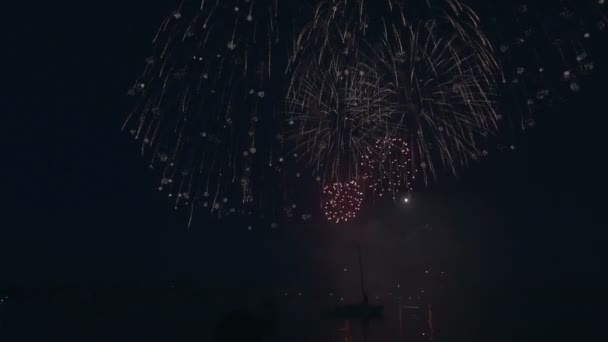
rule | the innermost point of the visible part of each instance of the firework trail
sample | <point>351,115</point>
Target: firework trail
<point>546,52</point>
<point>206,108</point>
<point>391,174</point>
<point>424,73</point>
<point>336,115</point>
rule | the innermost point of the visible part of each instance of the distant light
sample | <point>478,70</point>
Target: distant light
<point>406,200</point>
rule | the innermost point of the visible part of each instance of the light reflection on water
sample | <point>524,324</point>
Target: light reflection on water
<point>309,321</point>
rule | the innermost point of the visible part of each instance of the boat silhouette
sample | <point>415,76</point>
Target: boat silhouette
<point>363,311</point>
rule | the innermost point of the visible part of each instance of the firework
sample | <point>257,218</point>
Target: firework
<point>336,115</point>
<point>204,113</point>
<point>388,168</point>
<point>424,74</point>
<point>545,51</point>
<point>363,98</point>
<point>342,201</point>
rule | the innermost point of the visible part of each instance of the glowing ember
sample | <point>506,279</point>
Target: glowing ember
<point>388,167</point>
<point>342,201</point>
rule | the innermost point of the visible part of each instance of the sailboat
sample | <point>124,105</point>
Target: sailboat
<point>363,311</point>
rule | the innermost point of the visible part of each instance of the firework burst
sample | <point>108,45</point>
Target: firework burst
<point>342,201</point>
<point>393,172</point>
<point>204,112</point>
<point>365,97</point>
<point>424,74</point>
<point>336,115</point>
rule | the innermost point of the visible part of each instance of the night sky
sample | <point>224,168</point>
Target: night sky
<point>521,234</point>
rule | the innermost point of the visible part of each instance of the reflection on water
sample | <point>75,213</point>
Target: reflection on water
<point>305,276</point>
<point>403,320</point>
<point>196,315</point>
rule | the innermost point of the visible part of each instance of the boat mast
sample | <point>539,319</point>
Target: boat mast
<point>361,273</point>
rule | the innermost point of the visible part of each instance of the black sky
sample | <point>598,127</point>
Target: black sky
<point>81,207</point>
